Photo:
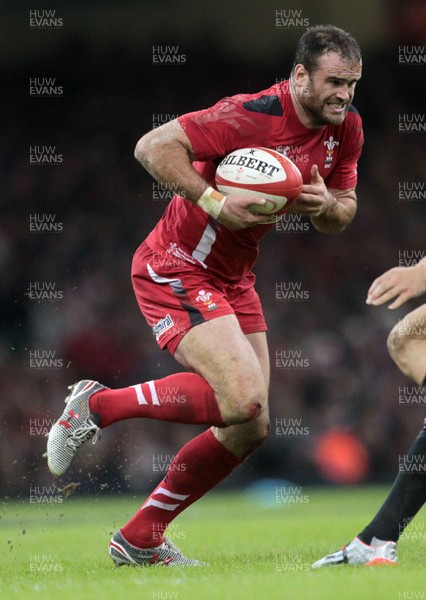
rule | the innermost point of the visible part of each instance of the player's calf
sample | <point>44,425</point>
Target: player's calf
<point>243,439</point>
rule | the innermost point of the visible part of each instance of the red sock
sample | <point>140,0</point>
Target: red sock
<point>182,398</point>
<point>198,467</point>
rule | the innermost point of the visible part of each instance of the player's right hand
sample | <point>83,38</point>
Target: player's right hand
<point>236,215</point>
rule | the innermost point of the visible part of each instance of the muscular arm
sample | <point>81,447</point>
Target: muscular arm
<point>167,154</point>
<point>339,212</point>
<point>330,210</point>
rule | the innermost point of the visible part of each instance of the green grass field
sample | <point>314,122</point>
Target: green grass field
<point>60,551</point>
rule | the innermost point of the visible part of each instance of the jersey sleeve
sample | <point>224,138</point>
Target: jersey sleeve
<point>344,175</point>
<point>215,132</point>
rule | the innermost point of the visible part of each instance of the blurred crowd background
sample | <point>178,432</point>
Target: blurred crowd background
<point>104,204</point>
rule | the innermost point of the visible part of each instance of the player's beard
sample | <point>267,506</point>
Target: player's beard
<point>318,109</point>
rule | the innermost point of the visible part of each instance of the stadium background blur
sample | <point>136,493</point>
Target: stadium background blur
<point>113,92</point>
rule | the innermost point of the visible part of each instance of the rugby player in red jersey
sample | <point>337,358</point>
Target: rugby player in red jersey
<point>194,283</point>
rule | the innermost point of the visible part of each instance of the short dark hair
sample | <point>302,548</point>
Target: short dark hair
<point>319,39</point>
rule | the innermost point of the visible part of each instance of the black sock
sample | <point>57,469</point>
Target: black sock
<point>406,497</point>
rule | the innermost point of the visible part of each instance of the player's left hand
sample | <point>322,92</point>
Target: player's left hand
<point>315,199</point>
<point>398,284</point>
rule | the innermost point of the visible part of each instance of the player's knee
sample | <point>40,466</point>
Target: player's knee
<point>245,403</point>
<point>397,342</point>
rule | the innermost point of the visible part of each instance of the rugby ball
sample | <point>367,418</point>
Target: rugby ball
<point>254,172</point>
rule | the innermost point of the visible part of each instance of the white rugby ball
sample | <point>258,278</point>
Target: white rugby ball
<point>260,172</point>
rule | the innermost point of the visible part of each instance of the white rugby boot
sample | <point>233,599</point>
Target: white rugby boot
<point>75,426</point>
<point>378,552</point>
<point>166,554</point>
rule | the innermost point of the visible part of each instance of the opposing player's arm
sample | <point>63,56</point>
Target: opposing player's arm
<point>167,154</point>
<point>330,210</point>
<point>398,284</point>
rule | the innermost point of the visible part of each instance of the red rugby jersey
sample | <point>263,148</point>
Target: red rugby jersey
<point>266,119</point>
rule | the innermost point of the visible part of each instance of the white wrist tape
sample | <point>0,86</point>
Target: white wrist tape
<point>211,202</point>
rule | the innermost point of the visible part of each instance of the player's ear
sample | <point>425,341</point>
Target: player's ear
<point>300,76</point>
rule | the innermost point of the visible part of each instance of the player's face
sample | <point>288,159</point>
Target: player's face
<point>329,90</point>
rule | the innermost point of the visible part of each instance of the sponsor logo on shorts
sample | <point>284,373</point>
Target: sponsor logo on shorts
<point>206,299</point>
<point>162,326</point>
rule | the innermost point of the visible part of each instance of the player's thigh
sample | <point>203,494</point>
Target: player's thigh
<point>220,352</point>
<point>259,344</point>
